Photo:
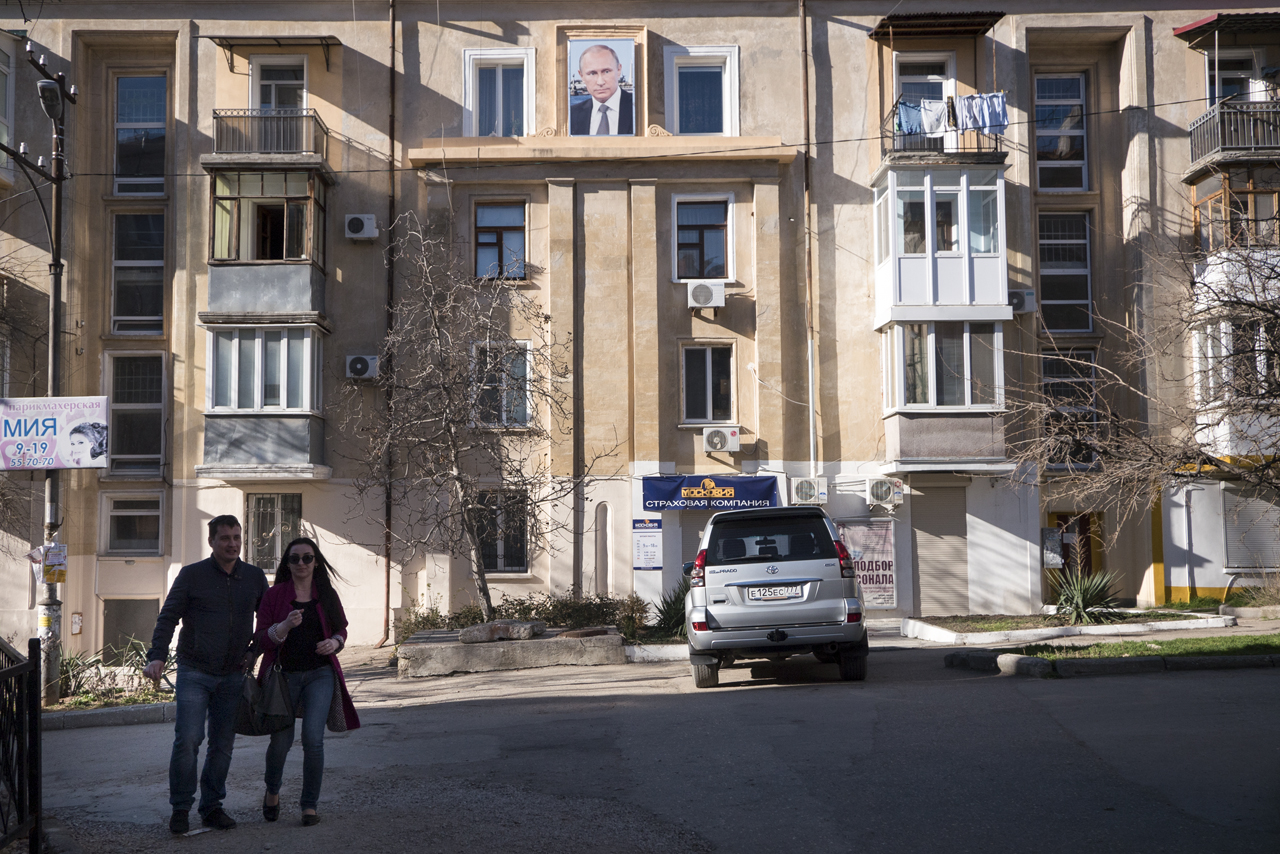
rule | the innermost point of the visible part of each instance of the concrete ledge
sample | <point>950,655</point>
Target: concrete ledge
<point>912,628</point>
<point>149,713</point>
<point>1024,665</point>
<point>441,659</point>
<point>1010,664</point>
<point>1098,666</point>
<point>648,653</point>
<point>1217,662</point>
<point>1267,612</point>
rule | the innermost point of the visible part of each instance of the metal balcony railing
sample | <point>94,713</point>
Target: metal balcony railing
<point>269,132</point>
<point>954,142</point>
<point>1244,126</point>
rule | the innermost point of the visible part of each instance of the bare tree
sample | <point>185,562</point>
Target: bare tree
<point>478,395</point>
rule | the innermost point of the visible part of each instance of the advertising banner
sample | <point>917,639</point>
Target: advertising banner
<point>646,540</point>
<point>707,492</point>
<point>870,544</point>
<point>53,433</point>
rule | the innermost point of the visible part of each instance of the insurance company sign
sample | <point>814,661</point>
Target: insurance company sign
<point>870,544</point>
<point>53,433</point>
<point>709,492</point>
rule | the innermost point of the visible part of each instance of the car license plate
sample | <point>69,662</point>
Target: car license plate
<point>788,591</point>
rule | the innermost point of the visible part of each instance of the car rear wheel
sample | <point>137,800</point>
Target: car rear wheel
<point>706,675</point>
<point>853,668</point>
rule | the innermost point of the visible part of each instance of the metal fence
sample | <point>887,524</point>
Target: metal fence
<point>1236,126</point>
<point>953,142</point>
<point>269,132</point>
<point>20,745</point>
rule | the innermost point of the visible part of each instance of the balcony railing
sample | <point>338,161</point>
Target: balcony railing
<point>269,132</point>
<point>1244,126</point>
<point>953,142</point>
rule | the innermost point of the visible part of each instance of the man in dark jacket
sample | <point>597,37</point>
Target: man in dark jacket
<point>215,599</point>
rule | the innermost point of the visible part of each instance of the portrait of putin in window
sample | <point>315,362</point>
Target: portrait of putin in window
<point>601,87</point>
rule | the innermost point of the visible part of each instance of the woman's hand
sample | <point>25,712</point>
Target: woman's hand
<point>328,647</point>
<point>290,622</point>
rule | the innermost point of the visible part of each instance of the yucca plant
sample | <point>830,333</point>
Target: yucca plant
<point>1085,598</point>
<point>671,611</point>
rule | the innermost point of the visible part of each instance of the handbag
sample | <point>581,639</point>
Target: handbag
<point>264,709</point>
<point>337,720</point>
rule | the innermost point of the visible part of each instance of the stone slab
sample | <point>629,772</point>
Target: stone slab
<point>500,630</point>
<point>441,659</point>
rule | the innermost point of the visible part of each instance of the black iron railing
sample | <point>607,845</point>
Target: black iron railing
<point>269,132</point>
<point>1241,126</point>
<point>953,142</point>
<point>20,745</point>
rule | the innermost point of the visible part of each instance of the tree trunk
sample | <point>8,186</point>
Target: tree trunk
<point>482,583</point>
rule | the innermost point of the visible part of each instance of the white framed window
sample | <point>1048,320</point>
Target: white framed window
<point>264,369</point>
<point>137,384</point>
<point>137,274</point>
<point>498,92</point>
<point>8,49</point>
<point>502,521</point>
<point>950,364</point>
<point>1237,360</point>
<point>1066,289</point>
<point>1239,72</point>
<point>278,83</point>
<point>707,387</point>
<point>924,76</point>
<point>701,89</point>
<point>1069,383</point>
<point>702,242</point>
<point>500,239</point>
<point>268,216</point>
<point>1061,153</point>
<point>939,212</point>
<point>273,520</point>
<point>502,384</point>
<point>141,113</point>
<point>132,523</point>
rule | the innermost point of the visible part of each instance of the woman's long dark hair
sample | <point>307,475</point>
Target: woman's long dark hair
<point>322,577</point>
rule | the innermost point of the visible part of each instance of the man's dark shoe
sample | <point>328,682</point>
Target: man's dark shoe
<point>178,822</point>
<point>219,819</point>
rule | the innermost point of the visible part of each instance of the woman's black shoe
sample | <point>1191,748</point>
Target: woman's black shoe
<point>270,812</point>
<point>310,819</point>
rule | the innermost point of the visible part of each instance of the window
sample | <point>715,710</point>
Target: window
<point>924,77</point>
<point>498,97</point>
<point>946,363</point>
<point>1237,73</point>
<point>274,520</point>
<point>1238,208</point>
<point>280,82</point>
<point>1069,382</point>
<point>133,524</point>
<point>702,89</point>
<point>141,110</point>
<point>1238,360</point>
<point>257,368</point>
<point>137,275</point>
<point>268,216</point>
<point>708,383</point>
<point>137,414</point>
<point>934,209</point>
<point>501,520</point>
<point>502,375</point>
<point>703,238</point>
<point>6,101</point>
<point>1065,288</point>
<point>1060,143</point>
<point>500,240</point>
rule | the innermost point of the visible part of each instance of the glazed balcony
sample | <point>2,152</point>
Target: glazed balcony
<point>242,132</point>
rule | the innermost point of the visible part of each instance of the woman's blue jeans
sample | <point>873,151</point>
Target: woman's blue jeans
<point>313,689</point>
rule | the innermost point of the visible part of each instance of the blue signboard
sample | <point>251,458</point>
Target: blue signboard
<point>709,492</point>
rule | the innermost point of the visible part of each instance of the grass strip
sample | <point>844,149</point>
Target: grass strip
<point>1174,647</point>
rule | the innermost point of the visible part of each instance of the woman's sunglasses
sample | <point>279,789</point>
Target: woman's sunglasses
<point>308,558</point>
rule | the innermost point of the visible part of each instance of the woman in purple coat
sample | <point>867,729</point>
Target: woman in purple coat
<point>302,627</point>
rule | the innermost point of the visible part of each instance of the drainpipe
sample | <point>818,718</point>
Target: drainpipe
<point>391,283</point>
<point>808,241</point>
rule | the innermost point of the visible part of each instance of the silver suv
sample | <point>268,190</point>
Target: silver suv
<point>773,583</point>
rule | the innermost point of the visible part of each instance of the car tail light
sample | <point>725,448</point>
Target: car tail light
<point>846,562</point>
<point>699,627</point>
<point>853,618</point>
<point>697,577</point>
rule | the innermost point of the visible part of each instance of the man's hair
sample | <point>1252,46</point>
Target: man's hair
<point>581,56</point>
<point>226,520</point>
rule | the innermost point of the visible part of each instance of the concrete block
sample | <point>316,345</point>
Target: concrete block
<point>500,630</point>
<point>1068,667</point>
<point>1024,665</point>
<point>655,652</point>
<point>1216,662</point>
<point>441,659</point>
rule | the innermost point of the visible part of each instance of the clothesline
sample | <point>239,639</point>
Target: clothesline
<point>985,113</point>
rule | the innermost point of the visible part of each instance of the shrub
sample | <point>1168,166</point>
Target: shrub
<point>1265,592</point>
<point>633,614</point>
<point>467,615</point>
<point>419,617</point>
<point>1085,598</point>
<point>670,622</point>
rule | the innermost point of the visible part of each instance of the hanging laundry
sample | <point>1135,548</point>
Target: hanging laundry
<point>909,118</point>
<point>933,117</point>
<point>992,112</point>
<point>967,113</point>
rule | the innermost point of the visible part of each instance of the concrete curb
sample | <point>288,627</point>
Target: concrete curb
<point>652,653</point>
<point>925,631</point>
<point>148,713</point>
<point>1009,664</point>
<point>1266,612</point>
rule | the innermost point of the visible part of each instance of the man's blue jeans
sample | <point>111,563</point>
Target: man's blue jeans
<point>314,690</point>
<point>200,697</point>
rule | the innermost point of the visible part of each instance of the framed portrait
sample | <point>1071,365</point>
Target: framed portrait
<point>602,87</point>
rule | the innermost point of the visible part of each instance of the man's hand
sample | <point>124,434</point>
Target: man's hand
<point>153,671</point>
<point>327,647</point>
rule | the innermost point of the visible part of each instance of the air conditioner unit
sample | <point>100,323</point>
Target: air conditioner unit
<point>884,491</point>
<point>716,439</point>
<point>362,226</point>
<point>1022,301</point>
<point>362,367</point>
<point>808,490</point>
<point>706,294</point>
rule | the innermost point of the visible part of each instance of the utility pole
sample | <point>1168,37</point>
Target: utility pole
<point>54,96</point>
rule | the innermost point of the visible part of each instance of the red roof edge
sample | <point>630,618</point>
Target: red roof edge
<point>1180,32</point>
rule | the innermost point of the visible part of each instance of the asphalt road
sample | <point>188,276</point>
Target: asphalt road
<point>781,758</point>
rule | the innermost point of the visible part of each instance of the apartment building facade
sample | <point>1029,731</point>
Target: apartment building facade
<point>770,299</point>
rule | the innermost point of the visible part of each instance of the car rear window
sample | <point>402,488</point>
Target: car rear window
<point>769,539</point>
